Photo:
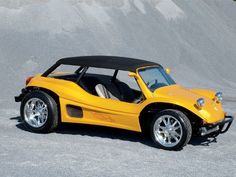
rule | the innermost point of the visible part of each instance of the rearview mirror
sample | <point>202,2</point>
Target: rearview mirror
<point>131,74</point>
<point>168,70</point>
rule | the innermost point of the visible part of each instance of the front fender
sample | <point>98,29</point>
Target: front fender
<point>175,94</point>
<point>211,113</point>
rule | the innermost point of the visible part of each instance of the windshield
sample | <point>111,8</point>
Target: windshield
<point>155,77</point>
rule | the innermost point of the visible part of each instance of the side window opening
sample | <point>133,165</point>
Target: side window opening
<point>130,88</point>
<point>65,72</point>
<point>65,69</point>
<point>101,82</point>
<point>97,81</point>
<point>130,81</point>
<point>106,84</point>
<point>100,71</point>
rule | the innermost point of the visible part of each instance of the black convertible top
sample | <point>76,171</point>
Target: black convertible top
<point>110,62</point>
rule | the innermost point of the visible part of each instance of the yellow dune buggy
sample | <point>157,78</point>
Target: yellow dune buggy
<point>123,93</point>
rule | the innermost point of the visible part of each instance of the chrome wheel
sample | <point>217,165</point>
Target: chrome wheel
<point>35,112</point>
<point>168,131</point>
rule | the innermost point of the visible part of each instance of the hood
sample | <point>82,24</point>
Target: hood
<point>187,98</point>
<point>178,92</point>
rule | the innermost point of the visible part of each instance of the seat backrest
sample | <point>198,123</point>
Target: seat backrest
<point>126,92</point>
<point>110,91</point>
<point>88,83</point>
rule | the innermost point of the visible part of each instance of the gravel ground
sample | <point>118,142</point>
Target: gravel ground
<point>196,39</point>
<point>80,150</point>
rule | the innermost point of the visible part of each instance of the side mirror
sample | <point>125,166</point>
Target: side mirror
<point>131,74</point>
<point>168,70</point>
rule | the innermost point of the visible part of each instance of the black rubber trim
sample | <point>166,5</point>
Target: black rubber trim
<point>228,122</point>
<point>21,96</point>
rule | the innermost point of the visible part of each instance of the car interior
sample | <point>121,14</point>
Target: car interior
<point>105,86</point>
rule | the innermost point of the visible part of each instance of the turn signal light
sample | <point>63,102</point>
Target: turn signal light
<point>218,97</point>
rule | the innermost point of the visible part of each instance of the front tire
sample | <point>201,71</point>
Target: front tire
<point>170,130</point>
<point>39,112</point>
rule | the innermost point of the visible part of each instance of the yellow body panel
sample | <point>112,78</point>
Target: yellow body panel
<point>96,110</point>
<point>212,112</point>
<point>119,114</point>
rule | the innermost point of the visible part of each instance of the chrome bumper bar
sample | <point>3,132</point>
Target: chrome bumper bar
<point>219,127</point>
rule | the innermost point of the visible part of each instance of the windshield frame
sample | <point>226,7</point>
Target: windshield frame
<point>166,76</point>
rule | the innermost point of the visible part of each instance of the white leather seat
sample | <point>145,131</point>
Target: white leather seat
<point>103,92</point>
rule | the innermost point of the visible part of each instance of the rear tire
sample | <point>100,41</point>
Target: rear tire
<point>170,130</point>
<point>39,112</point>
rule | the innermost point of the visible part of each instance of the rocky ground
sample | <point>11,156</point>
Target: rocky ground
<point>196,39</point>
<point>81,150</point>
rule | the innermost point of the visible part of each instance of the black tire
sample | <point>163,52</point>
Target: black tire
<point>52,118</point>
<point>185,125</point>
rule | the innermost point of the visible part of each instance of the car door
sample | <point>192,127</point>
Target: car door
<point>109,112</point>
<point>113,113</point>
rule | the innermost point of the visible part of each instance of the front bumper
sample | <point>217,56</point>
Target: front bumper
<point>217,128</point>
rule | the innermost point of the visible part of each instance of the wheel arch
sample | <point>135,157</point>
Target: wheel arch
<point>54,95</point>
<point>150,110</point>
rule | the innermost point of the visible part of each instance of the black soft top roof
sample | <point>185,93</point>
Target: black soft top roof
<point>111,62</point>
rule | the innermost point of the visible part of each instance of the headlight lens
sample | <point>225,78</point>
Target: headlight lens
<point>219,97</point>
<point>200,102</point>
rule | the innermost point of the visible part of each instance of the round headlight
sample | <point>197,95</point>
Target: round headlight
<point>200,102</point>
<point>219,97</point>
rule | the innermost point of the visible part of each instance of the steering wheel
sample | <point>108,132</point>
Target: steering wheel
<point>154,81</point>
<point>151,85</point>
<point>139,99</point>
